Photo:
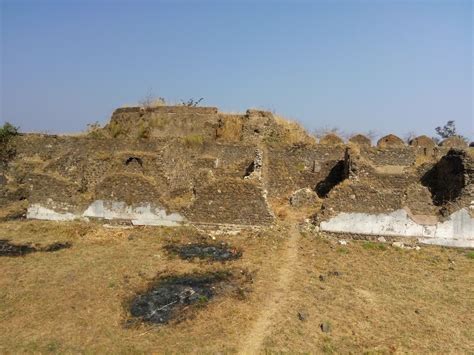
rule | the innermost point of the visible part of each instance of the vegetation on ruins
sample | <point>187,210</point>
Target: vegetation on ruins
<point>94,130</point>
<point>191,102</point>
<point>448,130</point>
<point>7,131</point>
<point>152,101</point>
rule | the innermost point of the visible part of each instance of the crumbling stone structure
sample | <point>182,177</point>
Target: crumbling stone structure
<point>173,165</point>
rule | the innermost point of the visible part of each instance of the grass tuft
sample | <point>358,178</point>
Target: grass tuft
<point>374,246</point>
<point>193,140</point>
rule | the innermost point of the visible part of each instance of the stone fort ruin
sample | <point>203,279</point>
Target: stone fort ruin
<point>174,165</point>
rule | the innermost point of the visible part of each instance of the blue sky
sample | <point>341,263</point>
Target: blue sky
<point>389,66</point>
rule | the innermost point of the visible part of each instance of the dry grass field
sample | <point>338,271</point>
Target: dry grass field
<point>296,293</point>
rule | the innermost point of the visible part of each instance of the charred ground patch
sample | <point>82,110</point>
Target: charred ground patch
<point>204,251</point>
<point>174,297</point>
<point>11,249</point>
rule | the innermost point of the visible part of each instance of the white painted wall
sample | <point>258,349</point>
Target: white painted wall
<point>141,215</point>
<point>36,211</point>
<point>145,214</point>
<point>457,231</point>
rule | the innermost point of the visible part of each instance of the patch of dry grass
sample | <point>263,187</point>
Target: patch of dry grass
<point>293,132</point>
<point>231,129</point>
<point>75,300</point>
<point>193,140</point>
<point>384,300</point>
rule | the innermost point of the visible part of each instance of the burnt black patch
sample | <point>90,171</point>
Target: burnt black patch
<point>170,297</point>
<point>56,246</point>
<point>10,249</point>
<point>204,251</point>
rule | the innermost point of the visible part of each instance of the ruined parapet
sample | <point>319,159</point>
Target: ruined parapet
<point>163,121</point>
<point>425,148</point>
<point>387,158</point>
<point>203,124</point>
<point>390,141</point>
<point>391,151</point>
<point>454,142</point>
<point>422,142</point>
<point>361,141</point>
<point>331,139</point>
<point>264,127</point>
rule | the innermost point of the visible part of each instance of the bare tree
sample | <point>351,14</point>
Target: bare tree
<point>191,102</point>
<point>150,101</point>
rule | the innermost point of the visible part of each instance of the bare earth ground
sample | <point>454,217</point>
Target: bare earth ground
<point>375,298</point>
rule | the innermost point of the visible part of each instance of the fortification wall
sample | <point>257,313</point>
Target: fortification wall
<point>175,165</point>
<point>433,202</point>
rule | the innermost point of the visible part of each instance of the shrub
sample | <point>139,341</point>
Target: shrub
<point>150,101</point>
<point>191,102</point>
<point>94,130</point>
<point>7,131</point>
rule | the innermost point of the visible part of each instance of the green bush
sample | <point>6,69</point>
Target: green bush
<point>7,131</point>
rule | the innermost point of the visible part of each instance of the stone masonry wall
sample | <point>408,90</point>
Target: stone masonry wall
<point>174,165</point>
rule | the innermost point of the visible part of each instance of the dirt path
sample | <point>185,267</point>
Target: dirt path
<point>278,296</point>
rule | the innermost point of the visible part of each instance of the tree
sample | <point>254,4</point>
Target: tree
<point>7,131</point>
<point>448,130</point>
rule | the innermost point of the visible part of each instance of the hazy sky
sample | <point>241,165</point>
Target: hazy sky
<point>389,66</point>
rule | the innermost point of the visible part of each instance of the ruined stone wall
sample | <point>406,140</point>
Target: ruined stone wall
<point>431,201</point>
<point>174,165</point>
<point>292,168</point>
<point>230,201</point>
<point>69,177</point>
